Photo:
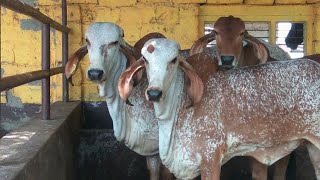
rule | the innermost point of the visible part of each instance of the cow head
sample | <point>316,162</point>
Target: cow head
<point>161,60</point>
<point>103,43</point>
<point>230,34</point>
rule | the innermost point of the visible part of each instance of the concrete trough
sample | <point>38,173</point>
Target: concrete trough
<point>78,144</point>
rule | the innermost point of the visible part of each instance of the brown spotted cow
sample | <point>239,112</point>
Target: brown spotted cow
<point>264,111</point>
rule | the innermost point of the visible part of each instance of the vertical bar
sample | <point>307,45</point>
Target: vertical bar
<point>45,42</point>
<point>0,59</point>
<point>65,52</point>
<point>273,32</point>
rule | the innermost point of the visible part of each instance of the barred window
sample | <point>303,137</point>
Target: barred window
<point>290,37</point>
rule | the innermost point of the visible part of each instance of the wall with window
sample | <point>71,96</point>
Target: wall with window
<point>182,20</point>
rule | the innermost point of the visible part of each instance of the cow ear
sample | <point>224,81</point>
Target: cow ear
<point>125,83</point>
<point>200,44</point>
<point>73,62</point>
<point>260,50</point>
<point>195,85</point>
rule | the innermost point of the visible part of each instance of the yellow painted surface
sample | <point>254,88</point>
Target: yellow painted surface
<point>117,3</point>
<point>224,1</point>
<point>181,20</point>
<point>262,2</point>
<point>290,2</point>
<point>188,1</point>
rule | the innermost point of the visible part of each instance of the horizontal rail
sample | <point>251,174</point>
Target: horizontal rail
<point>9,82</point>
<point>18,6</point>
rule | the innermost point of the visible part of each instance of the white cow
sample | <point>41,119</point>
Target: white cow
<point>109,56</point>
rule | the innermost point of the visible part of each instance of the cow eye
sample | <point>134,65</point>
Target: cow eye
<point>173,61</point>
<point>241,34</point>
<point>113,44</point>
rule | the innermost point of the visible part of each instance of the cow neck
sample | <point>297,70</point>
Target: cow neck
<point>130,126</point>
<point>167,111</point>
<point>115,104</point>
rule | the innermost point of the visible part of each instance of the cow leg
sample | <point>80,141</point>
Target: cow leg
<point>211,170</point>
<point>281,168</point>
<point>314,154</point>
<point>212,174</point>
<point>165,173</point>
<point>259,170</point>
<point>153,164</point>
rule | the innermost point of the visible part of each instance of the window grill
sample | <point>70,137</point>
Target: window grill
<point>290,37</point>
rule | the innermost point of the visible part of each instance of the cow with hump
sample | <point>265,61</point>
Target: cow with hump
<point>206,116</point>
<point>109,56</point>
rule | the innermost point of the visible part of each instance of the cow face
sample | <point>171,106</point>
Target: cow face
<point>229,33</point>
<point>161,65</point>
<point>103,44</point>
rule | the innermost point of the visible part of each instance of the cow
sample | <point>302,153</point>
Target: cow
<point>206,116</point>
<point>135,126</point>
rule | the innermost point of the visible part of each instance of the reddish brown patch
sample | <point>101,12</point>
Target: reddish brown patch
<point>150,48</point>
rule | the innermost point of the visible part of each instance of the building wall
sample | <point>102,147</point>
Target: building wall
<point>181,20</point>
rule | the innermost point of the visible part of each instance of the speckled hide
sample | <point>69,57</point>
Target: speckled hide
<point>255,111</point>
<point>263,111</point>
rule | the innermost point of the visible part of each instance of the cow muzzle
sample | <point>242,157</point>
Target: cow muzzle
<point>227,62</point>
<point>95,74</point>
<point>154,95</point>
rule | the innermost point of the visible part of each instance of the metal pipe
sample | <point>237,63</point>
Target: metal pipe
<point>45,88</point>
<point>18,6</point>
<point>65,52</point>
<point>0,63</point>
<point>9,82</point>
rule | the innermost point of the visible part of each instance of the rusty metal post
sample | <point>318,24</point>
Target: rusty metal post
<point>65,52</point>
<point>45,50</point>
<point>0,59</point>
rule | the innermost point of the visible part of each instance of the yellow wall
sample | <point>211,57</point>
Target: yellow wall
<point>181,20</point>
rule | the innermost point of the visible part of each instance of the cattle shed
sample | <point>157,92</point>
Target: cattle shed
<point>51,129</point>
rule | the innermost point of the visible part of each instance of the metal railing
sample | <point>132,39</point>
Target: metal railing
<point>9,82</point>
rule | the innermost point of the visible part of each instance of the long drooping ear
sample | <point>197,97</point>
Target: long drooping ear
<point>195,85</point>
<point>260,50</point>
<point>125,83</point>
<point>201,43</point>
<point>73,62</point>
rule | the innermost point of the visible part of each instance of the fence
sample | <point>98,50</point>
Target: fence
<point>9,82</point>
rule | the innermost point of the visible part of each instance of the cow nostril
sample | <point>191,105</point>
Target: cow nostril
<point>227,60</point>
<point>95,74</point>
<point>154,95</point>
